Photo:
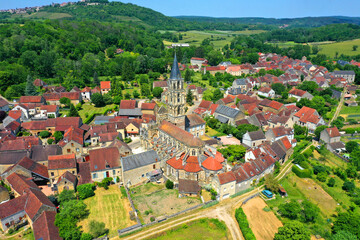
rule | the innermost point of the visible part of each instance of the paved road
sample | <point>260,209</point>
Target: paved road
<point>193,107</point>
<point>224,211</point>
<point>339,106</point>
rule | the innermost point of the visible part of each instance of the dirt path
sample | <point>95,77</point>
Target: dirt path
<point>338,109</point>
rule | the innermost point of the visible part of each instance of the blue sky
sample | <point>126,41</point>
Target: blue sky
<point>231,8</point>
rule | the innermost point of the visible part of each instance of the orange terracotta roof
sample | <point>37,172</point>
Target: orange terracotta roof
<point>211,164</point>
<point>105,85</point>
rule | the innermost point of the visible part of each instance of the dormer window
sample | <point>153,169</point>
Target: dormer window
<point>107,166</point>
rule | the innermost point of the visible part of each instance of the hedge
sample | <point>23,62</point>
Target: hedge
<point>244,225</point>
<point>306,173</point>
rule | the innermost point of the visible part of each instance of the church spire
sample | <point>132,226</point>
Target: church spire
<point>175,71</point>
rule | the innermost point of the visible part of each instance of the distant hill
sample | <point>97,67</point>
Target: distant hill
<point>292,22</point>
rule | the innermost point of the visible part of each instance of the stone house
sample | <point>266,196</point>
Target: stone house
<point>58,165</point>
<point>274,134</point>
<point>195,125</point>
<point>4,105</point>
<point>330,135</point>
<point>105,87</point>
<point>149,108</point>
<point>189,188</point>
<point>67,181</point>
<point>348,75</point>
<point>137,168</point>
<point>73,141</point>
<point>253,139</point>
<point>309,118</point>
<point>299,94</point>
<point>4,195</point>
<point>105,162</point>
<point>49,111</point>
<point>225,184</point>
<point>266,92</point>
<point>86,93</point>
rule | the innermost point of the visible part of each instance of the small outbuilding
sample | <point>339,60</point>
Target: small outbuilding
<point>189,187</point>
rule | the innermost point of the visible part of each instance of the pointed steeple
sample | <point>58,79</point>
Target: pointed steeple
<point>175,71</point>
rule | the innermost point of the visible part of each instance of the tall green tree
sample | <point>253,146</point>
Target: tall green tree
<point>96,79</point>
<point>30,89</point>
<point>73,112</point>
<point>187,77</point>
<point>292,230</point>
<point>189,97</point>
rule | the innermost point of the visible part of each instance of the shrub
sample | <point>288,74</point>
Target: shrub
<point>331,182</point>
<point>123,192</point>
<point>85,190</point>
<point>50,141</point>
<point>306,173</point>
<point>169,184</point>
<point>152,218</point>
<point>213,194</point>
<point>348,186</point>
<point>44,134</point>
<point>97,228</point>
<point>322,176</point>
<point>244,224</point>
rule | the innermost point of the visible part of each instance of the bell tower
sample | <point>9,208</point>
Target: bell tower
<point>176,96</point>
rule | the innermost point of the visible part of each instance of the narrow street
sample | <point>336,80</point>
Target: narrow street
<point>338,109</point>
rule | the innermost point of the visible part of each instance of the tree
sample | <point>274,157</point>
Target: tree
<point>292,230</point>
<point>65,196</point>
<point>85,190</point>
<point>347,221</point>
<point>350,146</point>
<point>50,141</point>
<point>214,57</point>
<point>136,94</point>
<point>318,130</point>
<point>169,184</point>
<point>97,228</point>
<point>290,210</point>
<point>58,136</point>
<point>331,182</point>
<point>310,211</point>
<point>322,176</point>
<point>65,101</point>
<point>279,88</point>
<point>348,186</point>
<point>44,134</point>
<point>73,112</point>
<point>157,91</point>
<point>127,95</point>
<point>30,89</point>
<point>107,99</point>
<point>189,97</point>
<point>355,47</point>
<point>343,235</point>
<point>96,79</point>
<point>233,152</point>
<point>271,183</point>
<point>217,95</point>
<point>98,100</point>
<point>187,77</point>
<point>86,236</point>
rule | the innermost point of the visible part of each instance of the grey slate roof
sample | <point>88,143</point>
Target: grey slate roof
<point>222,119</point>
<point>12,157</point>
<point>236,91</point>
<point>227,111</point>
<point>175,71</point>
<point>257,135</point>
<point>344,72</point>
<point>336,94</point>
<point>241,81</point>
<point>41,153</point>
<point>102,119</point>
<point>130,112</point>
<point>139,160</point>
<point>7,121</point>
<point>337,145</point>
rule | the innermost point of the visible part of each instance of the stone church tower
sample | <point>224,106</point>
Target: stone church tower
<point>176,97</point>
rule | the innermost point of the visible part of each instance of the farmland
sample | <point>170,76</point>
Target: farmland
<point>218,38</point>
<point>110,207</point>
<point>350,112</point>
<point>211,229</point>
<point>345,48</point>
<point>263,224</point>
<point>155,201</point>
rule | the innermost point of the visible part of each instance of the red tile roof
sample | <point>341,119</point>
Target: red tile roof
<point>74,134</point>
<point>35,200</point>
<point>15,114</point>
<point>99,158</point>
<point>161,84</point>
<point>275,105</point>
<point>70,95</point>
<point>49,108</point>
<point>180,134</point>
<point>265,89</point>
<point>333,132</point>
<point>19,183</point>
<point>213,107</point>
<point>86,89</point>
<point>286,143</point>
<point>227,100</point>
<point>12,207</point>
<point>84,173</point>
<point>62,161</point>
<point>211,164</point>
<point>127,104</point>
<point>306,114</point>
<point>175,163</point>
<point>105,85</point>
<point>297,92</point>
<point>108,137</point>
<point>198,59</point>
<point>205,104</point>
<point>44,227</point>
<point>148,106</point>
<point>31,99</point>
<point>192,165</point>
<point>67,176</point>
<point>32,166</point>
<point>20,143</point>
<point>226,177</point>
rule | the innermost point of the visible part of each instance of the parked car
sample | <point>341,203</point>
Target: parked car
<point>229,136</point>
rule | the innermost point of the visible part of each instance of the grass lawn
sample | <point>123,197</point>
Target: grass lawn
<point>210,229</point>
<point>109,207</point>
<point>153,200</point>
<point>330,159</point>
<point>213,133</point>
<point>26,235</point>
<point>89,109</point>
<point>347,139</point>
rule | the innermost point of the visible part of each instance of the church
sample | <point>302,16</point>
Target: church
<point>175,138</point>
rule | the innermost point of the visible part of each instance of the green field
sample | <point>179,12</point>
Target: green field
<point>110,207</point>
<point>44,15</point>
<point>345,48</point>
<point>210,229</point>
<point>350,112</point>
<point>218,38</point>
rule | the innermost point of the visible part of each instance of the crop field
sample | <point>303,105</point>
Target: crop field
<point>154,200</point>
<point>218,38</point>
<point>263,224</point>
<point>110,207</point>
<point>210,229</point>
<point>350,112</point>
